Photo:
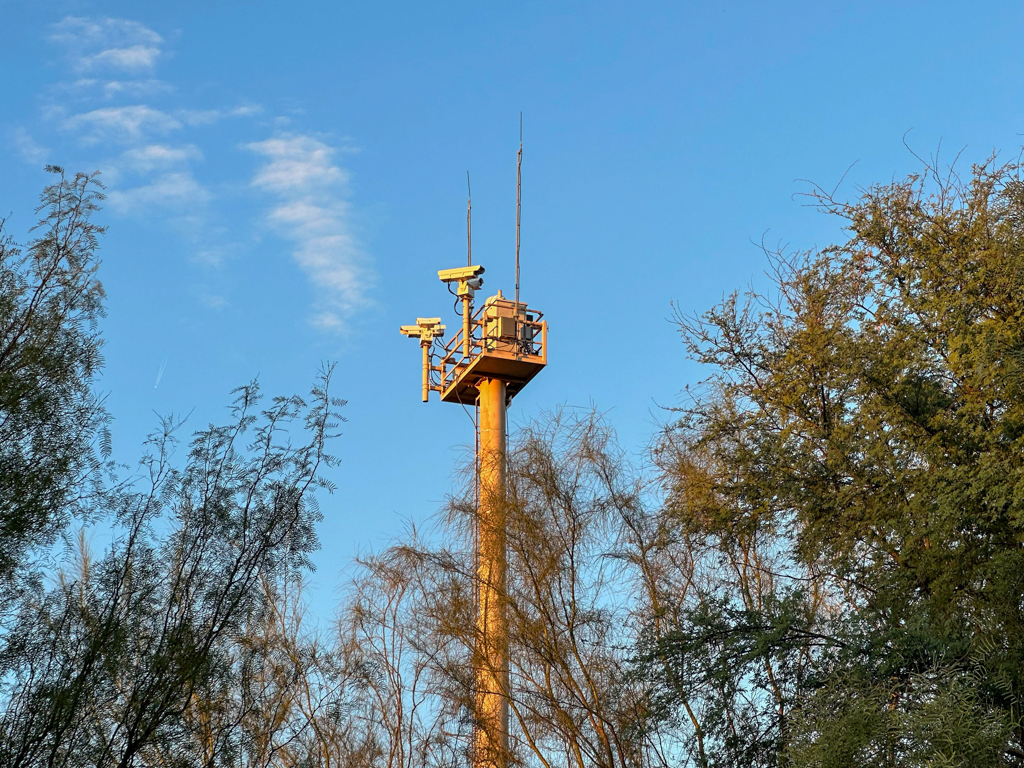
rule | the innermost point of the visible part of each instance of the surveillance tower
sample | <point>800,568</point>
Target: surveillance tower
<point>500,347</point>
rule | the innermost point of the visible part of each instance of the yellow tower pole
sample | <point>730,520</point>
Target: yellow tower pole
<point>505,361</point>
<point>490,738</point>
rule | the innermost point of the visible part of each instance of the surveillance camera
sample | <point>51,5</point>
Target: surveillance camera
<point>426,328</point>
<point>468,287</point>
<point>460,273</point>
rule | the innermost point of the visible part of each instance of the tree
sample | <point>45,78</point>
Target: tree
<point>127,659</point>
<point>855,461</point>
<point>577,523</point>
<point>50,417</point>
<point>173,647</point>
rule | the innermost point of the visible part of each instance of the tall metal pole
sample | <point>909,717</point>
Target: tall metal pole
<point>490,668</point>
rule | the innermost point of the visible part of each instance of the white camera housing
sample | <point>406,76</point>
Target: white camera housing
<point>425,328</point>
<point>460,274</point>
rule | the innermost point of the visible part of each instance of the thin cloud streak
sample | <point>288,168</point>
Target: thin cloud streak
<point>123,124</point>
<point>156,156</point>
<point>160,373</point>
<point>132,59</point>
<point>176,189</point>
<point>108,43</point>
<point>112,88</point>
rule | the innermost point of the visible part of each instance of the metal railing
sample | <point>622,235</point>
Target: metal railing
<point>529,341</point>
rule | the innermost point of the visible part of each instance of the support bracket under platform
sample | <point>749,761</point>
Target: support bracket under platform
<point>515,370</point>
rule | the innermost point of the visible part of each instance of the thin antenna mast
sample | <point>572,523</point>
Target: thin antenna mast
<point>519,201</point>
<point>469,223</point>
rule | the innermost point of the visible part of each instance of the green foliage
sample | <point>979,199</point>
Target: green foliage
<point>50,301</point>
<point>108,667</point>
<point>938,720</point>
<point>862,437</point>
<point>835,578</point>
<point>747,668</point>
<point>155,652</point>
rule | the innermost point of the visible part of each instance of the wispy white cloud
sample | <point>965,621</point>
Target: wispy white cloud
<point>199,116</point>
<point>131,59</point>
<point>31,151</point>
<point>296,164</point>
<point>174,189</point>
<point>91,88</point>
<point>313,211</point>
<point>118,44</point>
<point>113,100</point>
<point>123,124</point>
<point>150,87</point>
<point>327,321</point>
<point>212,254</point>
<point>79,31</point>
<point>209,298</point>
<point>194,117</point>
<point>85,88</point>
<point>149,173</point>
<point>158,156</point>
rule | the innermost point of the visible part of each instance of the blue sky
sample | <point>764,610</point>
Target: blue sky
<point>286,178</point>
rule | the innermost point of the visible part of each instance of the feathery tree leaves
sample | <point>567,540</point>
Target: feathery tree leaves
<point>150,653</point>
<point>859,449</point>
<point>824,566</point>
<point>114,666</point>
<point>50,302</point>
